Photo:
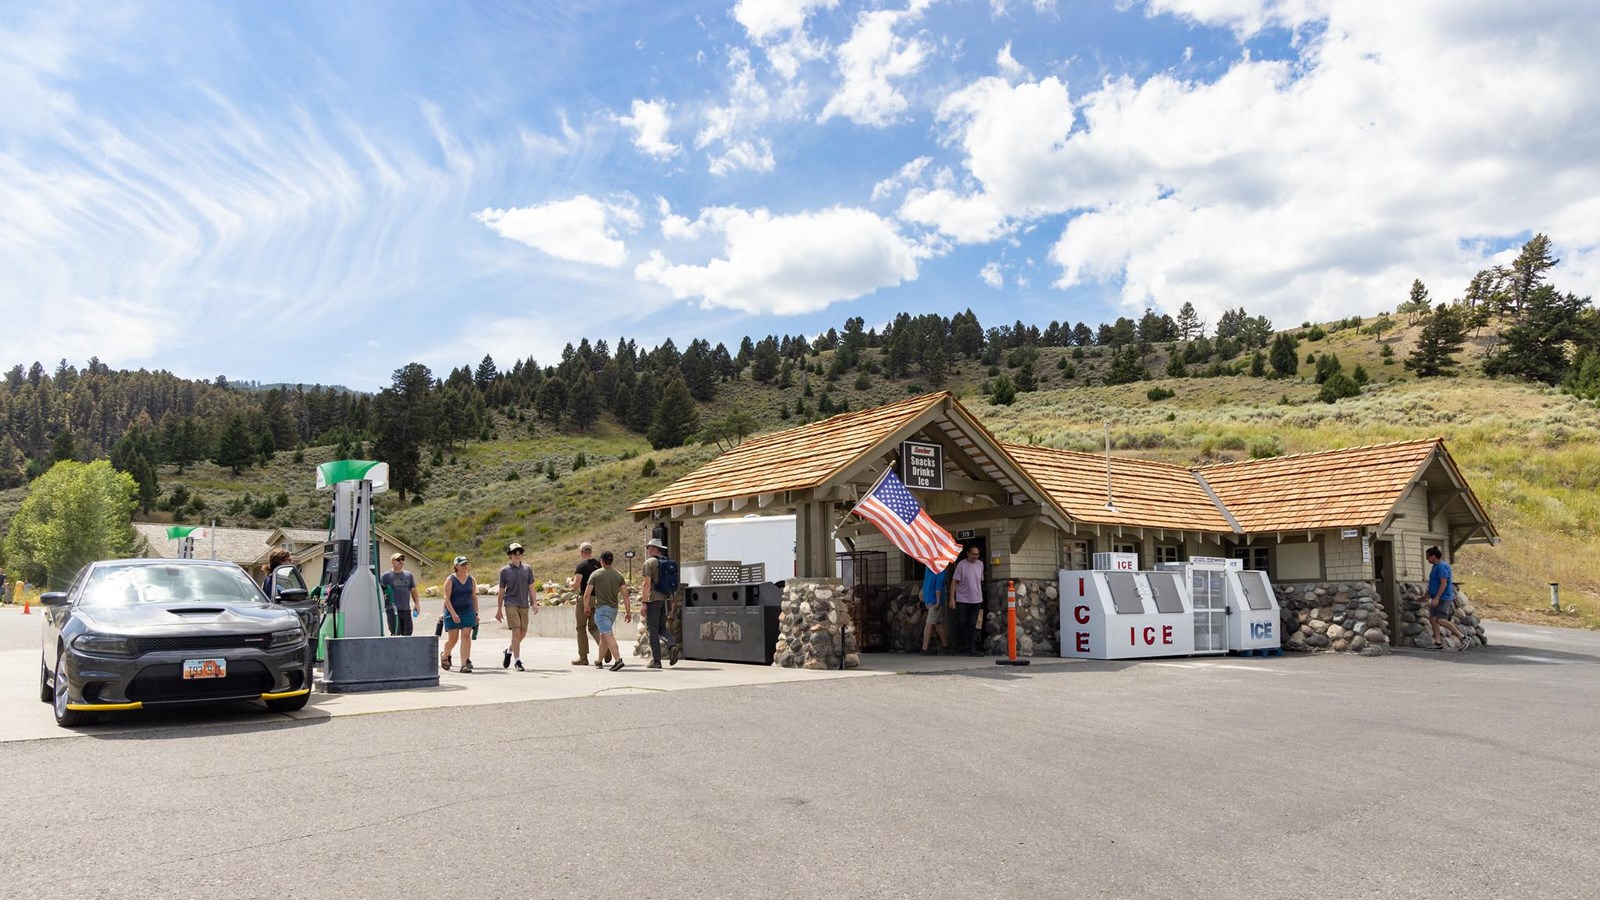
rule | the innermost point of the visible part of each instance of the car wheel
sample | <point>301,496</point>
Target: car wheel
<point>46,695</point>
<point>288,704</point>
<point>66,718</point>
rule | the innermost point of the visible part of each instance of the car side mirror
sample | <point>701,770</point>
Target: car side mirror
<point>53,598</point>
<point>292,595</point>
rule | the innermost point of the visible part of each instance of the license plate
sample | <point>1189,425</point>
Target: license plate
<point>205,668</point>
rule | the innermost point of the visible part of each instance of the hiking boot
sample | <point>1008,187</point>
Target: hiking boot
<point>654,664</point>
<point>582,661</point>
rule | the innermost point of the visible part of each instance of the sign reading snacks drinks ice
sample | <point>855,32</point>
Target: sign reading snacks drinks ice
<point>922,466</point>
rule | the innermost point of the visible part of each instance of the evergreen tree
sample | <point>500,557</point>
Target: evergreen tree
<point>1328,365</point>
<point>1001,391</point>
<point>642,409</point>
<point>583,404</point>
<point>1126,367</point>
<point>1443,335</point>
<point>483,378</point>
<point>1536,346</point>
<point>676,416</point>
<point>936,364</point>
<point>1284,355</point>
<point>765,361</point>
<point>1527,270</point>
<point>1418,304</point>
<point>552,399</point>
<point>1188,322</point>
<point>1338,387</point>
<point>405,417</point>
<point>63,446</point>
<point>1258,364</point>
<point>235,448</point>
<point>1176,368</point>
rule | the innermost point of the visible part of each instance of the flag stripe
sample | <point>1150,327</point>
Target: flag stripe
<point>907,525</point>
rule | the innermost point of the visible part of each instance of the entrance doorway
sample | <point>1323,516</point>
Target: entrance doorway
<point>1383,583</point>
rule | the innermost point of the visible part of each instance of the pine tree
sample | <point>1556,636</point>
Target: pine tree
<point>483,378</point>
<point>1418,304</point>
<point>1443,335</point>
<point>1536,346</point>
<point>1188,322</point>
<point>642,409</point>
<point>676,416</point>
<point>764,364</point>
<point>583,403</point>
<point>936,365</point>
<point>1527,270</point>
<point>406,413</point>
<point>1126,367</point>
<point>1284,355</point>
<point>552,399</point>
<point>1002,392</point>
<point>235,449</point>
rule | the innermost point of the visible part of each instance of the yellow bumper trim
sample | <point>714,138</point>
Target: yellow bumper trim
<point>283,695</point>
<point>103,707</point>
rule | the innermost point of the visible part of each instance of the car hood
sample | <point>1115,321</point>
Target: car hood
<point>188,618</point>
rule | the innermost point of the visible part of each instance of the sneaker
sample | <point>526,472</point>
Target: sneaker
<point>519,666</point>
<point>673,655</point>
<point>616,666</point>
<point>505,661</point>
<point>654,664</point>
<point>466,667</point>
<point>1437,647</point>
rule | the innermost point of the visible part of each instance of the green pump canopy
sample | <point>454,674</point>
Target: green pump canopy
<point>331,473</point>
<point>178,532</point>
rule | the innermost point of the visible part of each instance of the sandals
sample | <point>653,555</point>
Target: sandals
<point>466,667</point>
<point>444,663</point>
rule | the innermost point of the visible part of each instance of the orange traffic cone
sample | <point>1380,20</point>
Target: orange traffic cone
<point>25,610</point>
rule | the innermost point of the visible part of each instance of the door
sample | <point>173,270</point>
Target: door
<point>1383,583</point>
<point>1208,588</point>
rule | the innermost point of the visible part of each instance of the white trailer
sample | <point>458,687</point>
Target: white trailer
<point>754,539</point>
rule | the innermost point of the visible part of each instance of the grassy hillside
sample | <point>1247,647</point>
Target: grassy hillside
<point>1532,455</point>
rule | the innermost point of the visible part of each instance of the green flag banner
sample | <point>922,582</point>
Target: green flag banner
<point>331,473</point>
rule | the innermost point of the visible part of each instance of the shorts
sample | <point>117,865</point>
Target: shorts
<point>935,613</point>
<point>1442,611</point>
<point>517,618</point>
<point>469,619</point>
<point>605,618</point>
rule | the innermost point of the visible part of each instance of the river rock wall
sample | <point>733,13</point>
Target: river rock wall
<point>1414,628</point>
<point>811,626</point>
<point>1342,617</point>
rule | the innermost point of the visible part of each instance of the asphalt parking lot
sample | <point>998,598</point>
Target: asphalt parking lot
<point>1413,775</point>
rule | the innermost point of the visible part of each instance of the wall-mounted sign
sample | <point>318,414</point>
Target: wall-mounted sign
<point>1350,533</point>
<point>1366,549</point>
<point>922,466</point>
<point>966,535</point>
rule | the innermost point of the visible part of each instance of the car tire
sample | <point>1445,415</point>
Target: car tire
<point>288,704</point>
<point>66,718</point>
<point>46,695</point>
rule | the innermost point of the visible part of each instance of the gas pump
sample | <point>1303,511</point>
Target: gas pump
<point>349,575</point>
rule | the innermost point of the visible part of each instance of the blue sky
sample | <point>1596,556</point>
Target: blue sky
<point>324,192</point>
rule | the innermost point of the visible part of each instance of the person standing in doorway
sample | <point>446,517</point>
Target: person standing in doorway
<point>605,587</point>
<point>400,590</point>
<point>585,617</point>
<point>655,604</point>
<point>933,605</point>
<point>1442,599</point>
<point>514,602</point>
<point>460,614</point>
<point>966,598</point>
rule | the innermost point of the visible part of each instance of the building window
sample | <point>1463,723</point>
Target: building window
<point>1256,558</point>
<point>1075,555</point>
<point>1166,553</point>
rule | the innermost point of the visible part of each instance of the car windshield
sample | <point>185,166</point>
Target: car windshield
<point>125,585</point>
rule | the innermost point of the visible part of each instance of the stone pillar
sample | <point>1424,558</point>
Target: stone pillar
<point>641,646</point>
<point>811,626</point>
<point>1341,617</point>
<point>1415,630</point>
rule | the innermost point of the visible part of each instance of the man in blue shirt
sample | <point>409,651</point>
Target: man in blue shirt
<point>933,602</point>
<point>1442,598</point>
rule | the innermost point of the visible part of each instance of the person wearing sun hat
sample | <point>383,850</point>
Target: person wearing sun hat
<point>655,606</point>
<point>460,613</point>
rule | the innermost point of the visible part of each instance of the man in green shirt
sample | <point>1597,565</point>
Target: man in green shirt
<point>600,598</point>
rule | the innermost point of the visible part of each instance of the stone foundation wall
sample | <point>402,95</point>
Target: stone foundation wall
<point>641,644</point>
<point>1340,617</point>
<point>1414,628</point>
<point>1038,618</point>
<point>811,632</point>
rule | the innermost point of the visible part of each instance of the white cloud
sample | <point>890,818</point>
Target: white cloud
<point>582,229</point>
<point>1008,65</point>
<point>1397,137</point>
<point>967,219</point>
<point>870,61</point>
<point>787,265</point>
<point>731,133</point>
<point>991,275</point>
<point>650,123</point>
<point>909,174</point>
<point>779,28</point>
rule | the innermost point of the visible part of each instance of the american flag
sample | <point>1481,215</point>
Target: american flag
<point>904,522</point>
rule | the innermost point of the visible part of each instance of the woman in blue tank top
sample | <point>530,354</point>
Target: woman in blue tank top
<point>460,614</point>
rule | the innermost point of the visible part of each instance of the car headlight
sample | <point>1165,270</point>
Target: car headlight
<point>102,645</point>
<point>290,638</point>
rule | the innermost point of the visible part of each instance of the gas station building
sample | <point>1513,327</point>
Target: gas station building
<point>1330,528</point>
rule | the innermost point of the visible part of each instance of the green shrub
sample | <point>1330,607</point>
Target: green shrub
<point>1337,387</point>
<point>649,469</point>
<point>1266,448</point>
<point>1157,394</point>
<point>1316,333</point>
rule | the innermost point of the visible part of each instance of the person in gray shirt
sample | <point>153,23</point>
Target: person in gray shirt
<point>400,595</point>
<point>514,602</point>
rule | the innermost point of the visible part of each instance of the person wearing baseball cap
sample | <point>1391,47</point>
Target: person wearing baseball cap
<point>401,601</point>
<point>514,602</point>
<point>585,619</point>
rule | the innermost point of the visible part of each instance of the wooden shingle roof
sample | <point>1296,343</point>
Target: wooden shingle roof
<point>1328,489</point>
<point>1146,494</point>
<point>794,459</point>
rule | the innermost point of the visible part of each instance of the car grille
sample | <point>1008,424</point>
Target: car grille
<point>143,645</point>
<point>166,684</point>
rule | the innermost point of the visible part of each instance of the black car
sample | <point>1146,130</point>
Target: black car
<point>137,633</point>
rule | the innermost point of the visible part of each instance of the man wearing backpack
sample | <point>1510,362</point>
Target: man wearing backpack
<point>661,582</point>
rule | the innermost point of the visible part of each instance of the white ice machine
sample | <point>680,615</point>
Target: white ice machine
<point>1125,615</point>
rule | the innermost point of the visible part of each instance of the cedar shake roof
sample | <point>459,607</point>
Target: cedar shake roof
<point>1329,489</point>
<point>794,459</point>
<point>1147,494</point>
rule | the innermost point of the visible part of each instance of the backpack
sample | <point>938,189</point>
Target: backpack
<point>667,575</point>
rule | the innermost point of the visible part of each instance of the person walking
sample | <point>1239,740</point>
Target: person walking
<point>1442,599</point>
<point>933,603</point>
<point>401,601</point>
<point>513,601</point>
<point>966,598</point>
<point>587,626</point>
<point>460,614</point>
<point>657,569</point>
<point>605,586</point>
